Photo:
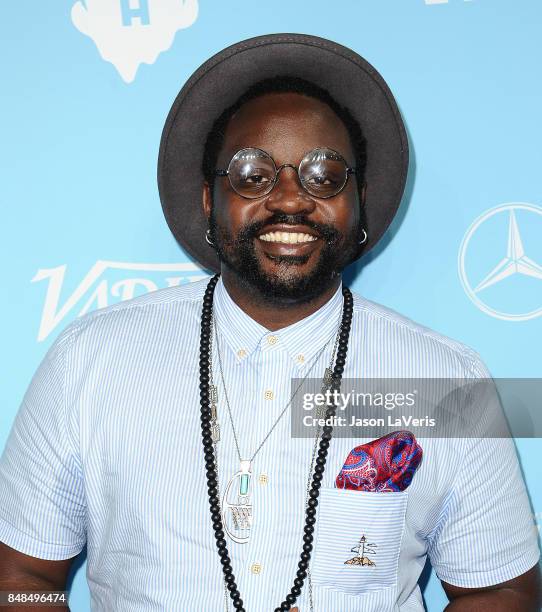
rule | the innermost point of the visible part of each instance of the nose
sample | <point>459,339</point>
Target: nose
<point>288,195</point>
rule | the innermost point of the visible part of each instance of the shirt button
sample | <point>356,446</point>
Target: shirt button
<point>256,568</point>
<point>301,358</point>
<point>241,353</point>
<point>263,479</point>
<point>269,395</point>
<point>272,339</point>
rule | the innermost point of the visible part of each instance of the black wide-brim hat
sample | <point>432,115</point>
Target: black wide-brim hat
<point>217,84</point>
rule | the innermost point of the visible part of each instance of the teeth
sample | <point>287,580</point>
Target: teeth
<point>288,237</point>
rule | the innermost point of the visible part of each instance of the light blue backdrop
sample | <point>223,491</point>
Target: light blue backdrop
<point>82,223</point>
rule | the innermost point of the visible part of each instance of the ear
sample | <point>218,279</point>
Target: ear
<point>206,199</point>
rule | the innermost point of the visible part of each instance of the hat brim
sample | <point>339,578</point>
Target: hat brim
<point>217,84</point>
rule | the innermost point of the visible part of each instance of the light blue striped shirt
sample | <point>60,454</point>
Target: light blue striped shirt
<point>106,450</point>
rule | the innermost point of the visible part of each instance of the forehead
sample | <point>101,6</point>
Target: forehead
<point>286,125</point>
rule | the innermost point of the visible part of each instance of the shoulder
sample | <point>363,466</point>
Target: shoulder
<point>156,312</point>
<point>388,329</point>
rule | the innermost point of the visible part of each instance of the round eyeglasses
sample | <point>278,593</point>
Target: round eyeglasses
<point>252,172</point>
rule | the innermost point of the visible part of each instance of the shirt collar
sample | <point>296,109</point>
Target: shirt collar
<point>302,340</point>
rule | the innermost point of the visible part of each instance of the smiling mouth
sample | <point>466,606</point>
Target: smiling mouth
<point>288,237</point>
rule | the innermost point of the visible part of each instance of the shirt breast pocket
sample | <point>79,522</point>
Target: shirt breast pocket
<point>358,539</point>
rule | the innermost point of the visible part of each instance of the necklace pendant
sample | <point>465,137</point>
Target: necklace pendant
<point>237,505</point>
<point>213,394</point>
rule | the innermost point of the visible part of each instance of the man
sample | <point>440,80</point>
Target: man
<point>107,447</point>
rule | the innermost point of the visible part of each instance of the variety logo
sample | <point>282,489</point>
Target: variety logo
<point>500,262</point>
<point>129,33</point>
<point>107,282</point>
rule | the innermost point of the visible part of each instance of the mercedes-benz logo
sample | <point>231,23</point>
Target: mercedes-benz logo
<point>503,256</point>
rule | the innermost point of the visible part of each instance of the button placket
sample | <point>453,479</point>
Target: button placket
<point>272,398</point>
<point>269,400</point>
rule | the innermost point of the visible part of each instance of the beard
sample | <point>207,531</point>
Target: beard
<point>288,284</point>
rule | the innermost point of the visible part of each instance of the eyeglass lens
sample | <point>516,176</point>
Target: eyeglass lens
<point>252,172</point>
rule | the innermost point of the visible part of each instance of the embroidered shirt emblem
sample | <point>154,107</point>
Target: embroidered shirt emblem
<point>362,549</point>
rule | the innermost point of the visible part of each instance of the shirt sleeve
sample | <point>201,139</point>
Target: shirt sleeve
<point>486,534</point>
<point>42,503</point>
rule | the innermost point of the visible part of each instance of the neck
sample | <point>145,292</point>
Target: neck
<point>266,311</point>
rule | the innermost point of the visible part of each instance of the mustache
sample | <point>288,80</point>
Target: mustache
<point>249,232</point>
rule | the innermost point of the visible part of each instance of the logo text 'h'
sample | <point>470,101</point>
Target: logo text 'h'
<point>130,12</point>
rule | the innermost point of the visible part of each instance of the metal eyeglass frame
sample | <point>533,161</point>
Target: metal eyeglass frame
<point>349,170</point>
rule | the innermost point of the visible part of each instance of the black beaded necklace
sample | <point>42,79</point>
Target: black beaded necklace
<point>210,463</point>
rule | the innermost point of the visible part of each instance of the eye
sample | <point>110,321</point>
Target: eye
<point>257,179</point>
<point>321,180</point>
<point>255,176</point>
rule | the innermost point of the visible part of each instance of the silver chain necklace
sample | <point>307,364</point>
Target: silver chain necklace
<point>237,516</point>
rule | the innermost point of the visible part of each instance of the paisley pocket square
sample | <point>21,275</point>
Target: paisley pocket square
<point>385,464</point>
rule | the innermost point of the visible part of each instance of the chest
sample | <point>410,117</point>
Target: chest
<point>142,454</point>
